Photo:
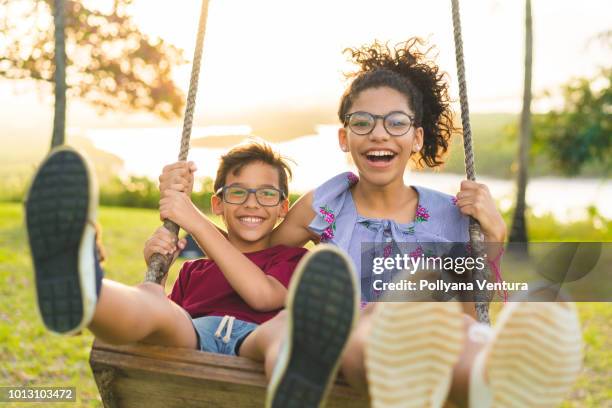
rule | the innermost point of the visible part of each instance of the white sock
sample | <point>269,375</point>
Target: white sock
<point>480,394</point>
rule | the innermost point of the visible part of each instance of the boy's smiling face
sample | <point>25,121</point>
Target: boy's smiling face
<point>249,224</point>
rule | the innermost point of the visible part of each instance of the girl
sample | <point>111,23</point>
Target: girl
<point>396,110</point>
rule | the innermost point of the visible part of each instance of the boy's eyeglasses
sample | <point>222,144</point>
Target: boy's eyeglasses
<point>265,196</point>
<point>363,123</point>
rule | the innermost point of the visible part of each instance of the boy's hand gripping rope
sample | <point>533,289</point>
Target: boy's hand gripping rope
<point>159,264</point>
<point>476,239</point>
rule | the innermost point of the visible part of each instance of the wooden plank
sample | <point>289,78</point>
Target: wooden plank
<point>141,388</point>
<point>143,375</point>
<point>181,355</point>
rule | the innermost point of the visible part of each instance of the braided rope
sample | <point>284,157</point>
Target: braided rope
<point>193,83</point>
<point>159,264</point>
<point>481,298</point>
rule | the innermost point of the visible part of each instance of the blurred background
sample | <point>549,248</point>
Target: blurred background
<point>275,69</point>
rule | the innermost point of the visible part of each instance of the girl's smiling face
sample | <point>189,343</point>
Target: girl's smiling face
<point>381,158</point>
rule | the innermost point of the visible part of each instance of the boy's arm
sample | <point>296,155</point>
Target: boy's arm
<point>293,230</point>
<point>259,291</point>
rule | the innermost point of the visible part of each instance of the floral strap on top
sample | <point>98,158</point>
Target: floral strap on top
<point>328,214</point>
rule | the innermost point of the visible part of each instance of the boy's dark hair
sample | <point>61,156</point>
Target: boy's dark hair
<point>407,70</point>
<point>250,152</point>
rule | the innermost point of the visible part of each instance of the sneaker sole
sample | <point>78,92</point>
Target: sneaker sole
<point>536,354</point>
<point>60,202</point>
<point>323,306</point>
<point>411,352</point>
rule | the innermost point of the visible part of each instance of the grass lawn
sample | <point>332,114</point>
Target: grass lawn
<point>31,356</point>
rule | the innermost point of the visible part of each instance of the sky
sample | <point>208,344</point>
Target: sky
<point>289,53</point>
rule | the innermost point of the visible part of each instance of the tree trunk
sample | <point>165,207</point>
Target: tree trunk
<point>59,117</point>
<point>518,231</point>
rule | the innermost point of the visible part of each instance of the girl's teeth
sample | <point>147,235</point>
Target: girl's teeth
<point>380,155</point>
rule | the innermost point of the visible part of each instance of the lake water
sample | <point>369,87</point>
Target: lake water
<point>317,157</point>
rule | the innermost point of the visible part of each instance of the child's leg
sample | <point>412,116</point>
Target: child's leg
<point>263,344</point>
<point>126,314</point>
<point>353,366</point>
<point>322,305</point>
<point>60,215</point>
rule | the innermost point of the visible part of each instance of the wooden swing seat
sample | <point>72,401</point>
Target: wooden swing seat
<point>148,376</point>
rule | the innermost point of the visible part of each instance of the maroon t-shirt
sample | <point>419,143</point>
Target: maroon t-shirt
<point>202,289</point>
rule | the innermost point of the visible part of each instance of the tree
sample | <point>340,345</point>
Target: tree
<point>580,132</point>
<point>59,116</point>
<point>110,63</point>
<point>518,231</point>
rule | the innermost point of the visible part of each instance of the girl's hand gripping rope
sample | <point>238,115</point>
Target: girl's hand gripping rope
<point>474,199</point>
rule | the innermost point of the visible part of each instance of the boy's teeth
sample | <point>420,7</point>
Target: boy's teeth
<point>251,219</point>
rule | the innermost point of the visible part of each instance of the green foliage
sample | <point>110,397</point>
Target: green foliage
<point>111,63</point>
<point>135,191</point>
<point>493,150</point>
<point>581,133</point>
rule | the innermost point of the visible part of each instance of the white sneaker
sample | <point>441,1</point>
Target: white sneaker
<point>411,352</point>
<point>532,359</point>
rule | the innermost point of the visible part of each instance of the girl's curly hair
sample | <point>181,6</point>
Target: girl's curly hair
<point>406,69</point>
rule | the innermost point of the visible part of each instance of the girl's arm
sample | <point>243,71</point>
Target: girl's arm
<point>260,291</point>
<point>293,230</point>
<point>475,200</point>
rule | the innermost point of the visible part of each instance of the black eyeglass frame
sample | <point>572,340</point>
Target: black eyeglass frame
<point>347,118</point>
<point>221,191</point>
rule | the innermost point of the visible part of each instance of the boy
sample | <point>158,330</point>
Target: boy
<point>216,303</point>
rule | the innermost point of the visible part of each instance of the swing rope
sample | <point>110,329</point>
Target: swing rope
<point>159,265</point>
<point>481,298</point>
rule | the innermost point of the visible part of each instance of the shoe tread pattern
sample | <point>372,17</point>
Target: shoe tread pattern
<point>322,315</point>
<point>56,214</point>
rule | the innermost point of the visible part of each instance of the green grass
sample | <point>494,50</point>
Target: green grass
<point>31,356</point>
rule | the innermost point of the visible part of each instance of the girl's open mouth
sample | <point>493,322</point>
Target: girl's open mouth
<point>379,158</point>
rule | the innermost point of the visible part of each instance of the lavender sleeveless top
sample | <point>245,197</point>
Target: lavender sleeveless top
<point>337,222</point>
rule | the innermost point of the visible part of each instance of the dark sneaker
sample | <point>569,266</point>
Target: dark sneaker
<point>322,306</point>
<point>61,208</point>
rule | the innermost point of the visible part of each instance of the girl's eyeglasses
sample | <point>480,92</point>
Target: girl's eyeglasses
<point>363,123</point>
<point>265,196</point>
